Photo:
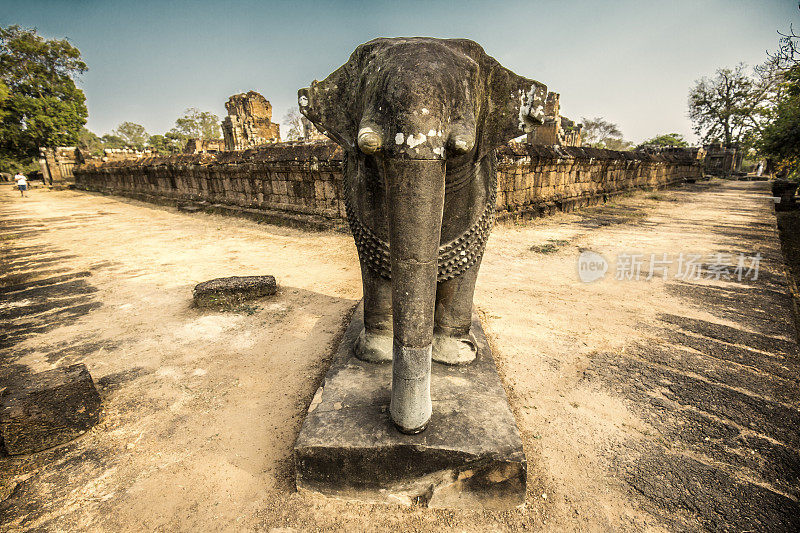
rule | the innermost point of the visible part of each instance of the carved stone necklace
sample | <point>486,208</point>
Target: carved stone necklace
<point>455,257</point>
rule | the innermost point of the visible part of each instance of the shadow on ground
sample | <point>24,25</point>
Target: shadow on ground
<point>722,393</point>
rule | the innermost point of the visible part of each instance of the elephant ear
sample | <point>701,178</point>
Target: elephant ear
<point>511,107</point>
<point>329,105</point>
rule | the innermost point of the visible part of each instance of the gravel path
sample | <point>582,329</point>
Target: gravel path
<point>644,404</point>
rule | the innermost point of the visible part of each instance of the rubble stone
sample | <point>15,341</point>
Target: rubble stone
<point>228,293</point>
<point>47,409</point>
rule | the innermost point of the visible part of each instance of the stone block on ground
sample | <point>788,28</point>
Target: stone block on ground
<point>470,456</point>
<point>228,293</point>
<point>47,409</point>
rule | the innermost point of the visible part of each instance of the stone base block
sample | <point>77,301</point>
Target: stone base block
<point>47,409</point>
<point>227,293</point>
<point>470,456</point>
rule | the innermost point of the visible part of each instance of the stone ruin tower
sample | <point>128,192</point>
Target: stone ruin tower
<point>249,122</point>
<point>557,129</point>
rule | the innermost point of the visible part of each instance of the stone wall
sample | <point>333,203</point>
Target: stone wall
<point>300,183</point>
<point>723,161</point>
<point>534,180</point>
<point>199,146</point>
<point>291,183</point>
<point>57,164</point>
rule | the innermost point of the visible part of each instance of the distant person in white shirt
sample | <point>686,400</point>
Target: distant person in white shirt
<point>22,183</point>
<point>760,168</point>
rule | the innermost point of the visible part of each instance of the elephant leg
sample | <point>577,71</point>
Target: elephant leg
<point>374,344</point>
<point>453,344</point>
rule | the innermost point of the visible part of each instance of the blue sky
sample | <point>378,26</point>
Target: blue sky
<point>630,61</point>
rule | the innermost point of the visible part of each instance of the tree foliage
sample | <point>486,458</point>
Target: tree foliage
<point>43,106</point>
<point>617,143</point>
<point>90,143</point>
<point>112,141</point>
<point>132,134</point>
<point>734,105</point>
<point>597,130</point>
<point>600,133</point>
<point>666,139</point>
<point>780,139</point>
<point>788,53</point>
<point>4,92</point>
<point>196,124</point>
<point>166,144</point>
<point>294,120</point>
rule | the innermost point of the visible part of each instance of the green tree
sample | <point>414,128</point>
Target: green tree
<point>780,139</point>
<point>165,144</point>
<point>43,106</point>
<point>113,141</point>
<point>733,106</point>
<point>597,130</point>
<point>666,139</point>
<point>617,143</point>
<point>196,124</point>
<point>133,134</point>
<point>90,143</point>
<point>4,92</point>
<point>788,53</point>
<point>600,133</point>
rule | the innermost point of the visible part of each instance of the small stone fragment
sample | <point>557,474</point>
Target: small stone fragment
<point>47,409</point>
<point>227,293</point>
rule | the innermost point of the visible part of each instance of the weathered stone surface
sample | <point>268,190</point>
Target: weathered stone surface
<point>784,190</point>
<point>723,161</point>
<point>470,456</point>
<point>420,225</point>
<point>199,146</point>
<point>249,122</point>
<point>227,293</point>
<point>56,164</point>
<point>47,409</point>
<point>557,129</point>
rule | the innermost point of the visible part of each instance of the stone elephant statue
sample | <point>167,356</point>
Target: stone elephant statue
<point>419,120</point>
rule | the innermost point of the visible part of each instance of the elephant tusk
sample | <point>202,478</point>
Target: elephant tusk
<point>368,141</point>
<point>461,143</point>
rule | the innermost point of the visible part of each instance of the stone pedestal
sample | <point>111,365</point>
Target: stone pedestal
<point>470,456</point>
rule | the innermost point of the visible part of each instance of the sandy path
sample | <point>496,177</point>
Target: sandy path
<point>201,409</point>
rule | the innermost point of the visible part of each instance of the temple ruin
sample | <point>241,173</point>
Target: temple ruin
<point>249,122</point>
<point>57,163</point>
<point>556,130</point>
<point>723,161</point>
<point>202,146</point>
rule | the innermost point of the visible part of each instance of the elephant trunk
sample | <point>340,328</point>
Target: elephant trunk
<point>416,202</point>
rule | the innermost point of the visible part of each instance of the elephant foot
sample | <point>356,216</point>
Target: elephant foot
<point>451,350</point>
<point>374,347</point>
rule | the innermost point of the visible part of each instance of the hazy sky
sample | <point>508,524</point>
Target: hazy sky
<point>630,61</point>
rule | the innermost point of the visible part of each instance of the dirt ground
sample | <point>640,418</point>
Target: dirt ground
<point>644,405</point>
